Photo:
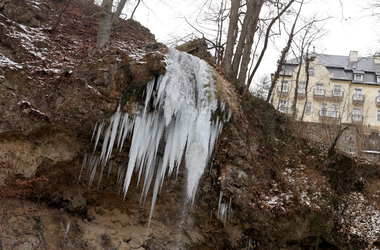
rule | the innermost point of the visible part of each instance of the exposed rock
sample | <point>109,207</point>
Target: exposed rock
<point>23,12</point>
<point>280,190</point>
<point>136,243</point>
<point>198,48</point>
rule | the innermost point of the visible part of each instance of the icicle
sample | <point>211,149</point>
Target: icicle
<point>184,102</point>
<point>115,124</point>
<point>100,128</point>
<point>110,168</point>
<point>83,164</point>
<point>220,200</point>
<point>155,191</point>
<point>93,133</point>
<point>225,211</point>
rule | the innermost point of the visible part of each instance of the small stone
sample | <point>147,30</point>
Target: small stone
<point>136,243</point>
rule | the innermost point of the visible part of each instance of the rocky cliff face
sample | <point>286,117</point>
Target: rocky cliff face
<point>267,187</point>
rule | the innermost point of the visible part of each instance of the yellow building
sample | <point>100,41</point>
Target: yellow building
<point>341,89</point>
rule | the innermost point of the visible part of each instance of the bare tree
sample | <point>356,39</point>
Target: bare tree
<point>282,59</point>
<point>109,18</point>
<point>231,35</point>
<point>267,34</point>
<point>105,24</point>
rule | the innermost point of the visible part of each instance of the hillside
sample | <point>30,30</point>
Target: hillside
<point>266,185</point>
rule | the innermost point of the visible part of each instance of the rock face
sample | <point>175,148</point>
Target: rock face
<point>267,187</point>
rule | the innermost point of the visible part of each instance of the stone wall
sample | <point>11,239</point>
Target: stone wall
<point>358,140</point>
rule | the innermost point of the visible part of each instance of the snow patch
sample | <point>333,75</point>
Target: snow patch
<point>6,62</point>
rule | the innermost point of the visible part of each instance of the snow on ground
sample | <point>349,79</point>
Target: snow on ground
<point>27,36</point>
<point>296,189</point>
<point>6,62</point>
<point>360,219</point>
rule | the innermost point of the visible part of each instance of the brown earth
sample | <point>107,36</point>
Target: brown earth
<point>283,189</point>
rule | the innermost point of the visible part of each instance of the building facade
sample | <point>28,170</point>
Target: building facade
<point>340,89</point>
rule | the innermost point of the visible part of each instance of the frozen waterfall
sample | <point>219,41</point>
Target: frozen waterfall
<point>179,113</point>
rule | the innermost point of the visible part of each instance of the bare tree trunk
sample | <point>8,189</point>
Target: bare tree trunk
<point>253,20</point>
<point>266,45</point>
<point>307,66</point>
<point>220,34</point>
<point>134,10</point>
<point>281,61</point>
<point>242,40</point>
<point>116,15</point>
<point>333,144</point>
<point>294,106</point>
<point>105,24</point>
<point>231,37</point>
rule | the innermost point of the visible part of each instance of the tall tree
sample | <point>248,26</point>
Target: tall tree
<point>267,34</point>
<point>231,36</point>
<point>105,24</point>
<point>109,18</point>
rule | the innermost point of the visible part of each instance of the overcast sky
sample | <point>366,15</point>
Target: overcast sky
<point>350,28</point>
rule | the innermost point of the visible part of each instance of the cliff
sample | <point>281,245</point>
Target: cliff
<point>266,186</point>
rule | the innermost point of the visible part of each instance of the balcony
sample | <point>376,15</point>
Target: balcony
<point>301,93</point>
<point>337,96</point>
<point>288,110</point>
<point>358,99</point>
<point>329,116</point>
<point>377,100</point>
<point>357,119</point>
<point>328,95</point>
<point>319,94</point>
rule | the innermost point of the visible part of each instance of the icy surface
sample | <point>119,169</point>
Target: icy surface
<point>178,114</point>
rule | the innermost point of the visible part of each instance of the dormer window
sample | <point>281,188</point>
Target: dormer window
<point>358,77</point>
<point>378,79</point>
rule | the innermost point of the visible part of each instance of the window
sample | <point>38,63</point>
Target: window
<point>358,77</point>
<point>319,89</point>
<point>358,94</point>
<point>308,108</point>
<point>282,106</point>
<point>301,87</point>
<point>337,91</point>
<point>378,115</point>
<point>284,86</point>
<point>335,110</point>
<point>357,114</point>
<point>324,109</point>
<point>311,71</point>
<point>378,79</point>
<point>378,96</point>
<point>290,110</point>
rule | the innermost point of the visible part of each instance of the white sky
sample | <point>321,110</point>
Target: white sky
<point>350,28</point>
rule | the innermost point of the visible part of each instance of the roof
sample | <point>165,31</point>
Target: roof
<point>342,68</point>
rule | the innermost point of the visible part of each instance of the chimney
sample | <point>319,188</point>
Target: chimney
<point>353,57</point>
<point>376,58</point>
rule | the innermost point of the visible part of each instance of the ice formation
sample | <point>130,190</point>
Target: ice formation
<point>179,113</point>
<point>225,211</point>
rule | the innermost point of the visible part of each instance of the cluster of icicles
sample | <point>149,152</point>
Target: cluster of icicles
<point>225,211</point>
<point>179,113</point>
